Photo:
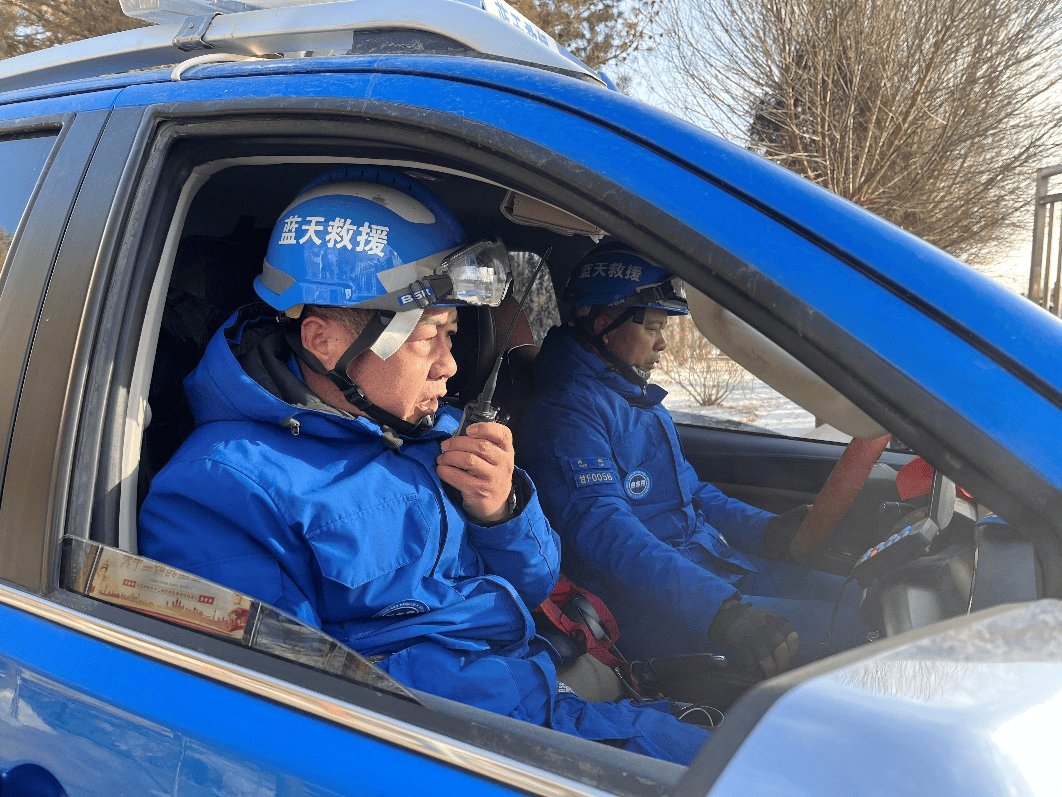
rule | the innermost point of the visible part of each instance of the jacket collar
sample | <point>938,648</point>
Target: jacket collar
<point>564,354</point>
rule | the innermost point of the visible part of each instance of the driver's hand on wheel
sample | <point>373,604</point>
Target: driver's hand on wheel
<point>763,642</point>
<point>781,530</point>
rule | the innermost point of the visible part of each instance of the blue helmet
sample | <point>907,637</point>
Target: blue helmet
<point>347,227</point>
<point>371,237</point>
<point>356,234</point>
<point>614,275</point>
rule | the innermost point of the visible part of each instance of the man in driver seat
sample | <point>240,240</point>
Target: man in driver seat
<point>323,477</point>
<point>683,568</point>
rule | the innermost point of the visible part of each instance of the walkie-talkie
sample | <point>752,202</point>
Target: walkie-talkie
<point>481,410</point>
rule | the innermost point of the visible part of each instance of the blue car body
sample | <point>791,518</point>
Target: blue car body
<point>115,172</point>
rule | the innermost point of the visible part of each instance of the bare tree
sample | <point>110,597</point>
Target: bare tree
<point>541,308</point>
<point>597,32</point>
<point>26,26</point>
<point>930,113</point>
<point>698,367</point>
<point>5,243</point>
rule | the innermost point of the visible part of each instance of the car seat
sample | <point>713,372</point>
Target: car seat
<point>212,277</point>
<point>480,339</point>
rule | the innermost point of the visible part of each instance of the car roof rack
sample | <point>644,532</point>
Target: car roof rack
<point>266,28</point>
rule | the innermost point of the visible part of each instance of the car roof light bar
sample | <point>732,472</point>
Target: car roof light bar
<point>162,12</point>
<point>490,27</point>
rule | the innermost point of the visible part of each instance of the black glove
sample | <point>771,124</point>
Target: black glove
<point>763,642</point>
<point>782,530</point>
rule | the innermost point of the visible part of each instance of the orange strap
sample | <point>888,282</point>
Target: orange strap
<point>599,649</point>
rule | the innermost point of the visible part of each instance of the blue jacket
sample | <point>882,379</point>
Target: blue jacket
<point>637,526</point>
<point>329,518</point>
<point>314,511</point>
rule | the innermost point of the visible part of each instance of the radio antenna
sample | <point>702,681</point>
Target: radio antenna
<point>481,409</point>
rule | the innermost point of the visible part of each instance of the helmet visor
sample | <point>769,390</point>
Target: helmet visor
<point>478,274</point>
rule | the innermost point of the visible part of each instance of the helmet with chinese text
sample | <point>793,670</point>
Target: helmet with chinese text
<point>350,236</point>
<point>614,275</point>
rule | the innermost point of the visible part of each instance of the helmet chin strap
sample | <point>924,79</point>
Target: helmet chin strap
<point>347,386</point>
<point>596,345</point>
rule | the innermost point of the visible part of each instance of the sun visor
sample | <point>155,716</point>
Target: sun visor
<point>771,364</point>
<point>522,209</point>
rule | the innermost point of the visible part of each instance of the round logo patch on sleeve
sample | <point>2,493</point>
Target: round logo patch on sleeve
<point>637,484</point>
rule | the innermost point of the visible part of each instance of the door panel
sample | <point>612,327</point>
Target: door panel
<point>24,279</point>
<point>99,717</point>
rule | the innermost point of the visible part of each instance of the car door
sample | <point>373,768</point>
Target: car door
<point>52,142</point>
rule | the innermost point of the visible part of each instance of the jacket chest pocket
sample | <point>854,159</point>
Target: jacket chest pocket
<point>646,467</point>
<point>371,544</point>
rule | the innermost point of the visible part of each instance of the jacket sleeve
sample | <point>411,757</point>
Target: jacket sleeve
<point>218,523</point>
<point>606,546</point>
<point>742,525</point>
<point>523,550</point>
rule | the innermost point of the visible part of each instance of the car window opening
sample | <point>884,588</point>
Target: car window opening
<point>215,257</point>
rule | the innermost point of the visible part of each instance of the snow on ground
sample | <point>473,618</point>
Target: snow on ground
<point>757,404</point>
<point>754,403</point>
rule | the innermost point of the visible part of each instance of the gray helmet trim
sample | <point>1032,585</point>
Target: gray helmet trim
<point>276,280</point>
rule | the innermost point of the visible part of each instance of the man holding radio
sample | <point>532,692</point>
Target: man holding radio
<point>323,477</point>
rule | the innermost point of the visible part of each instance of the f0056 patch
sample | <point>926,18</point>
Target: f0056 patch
<point>595,477</point>
<point>588,471</point>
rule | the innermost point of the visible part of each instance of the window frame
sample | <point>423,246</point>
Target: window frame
<point>24,278</point>
<point>142,249</point>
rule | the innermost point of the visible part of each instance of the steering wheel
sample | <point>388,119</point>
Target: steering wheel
<point>837,495</point>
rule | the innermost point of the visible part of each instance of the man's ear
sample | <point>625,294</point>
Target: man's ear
<point>322,338</point>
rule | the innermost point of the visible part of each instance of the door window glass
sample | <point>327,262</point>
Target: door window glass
<point>21,163</point>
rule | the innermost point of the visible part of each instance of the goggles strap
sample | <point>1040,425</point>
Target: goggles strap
<point>662,293</point>
<point>654,296</point>
<point>421,293</point>
<point>621,319</point>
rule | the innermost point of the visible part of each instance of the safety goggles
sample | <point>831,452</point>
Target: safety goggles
<point>670,295</point>
<point>480,273</point>
<point>477,274</point>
